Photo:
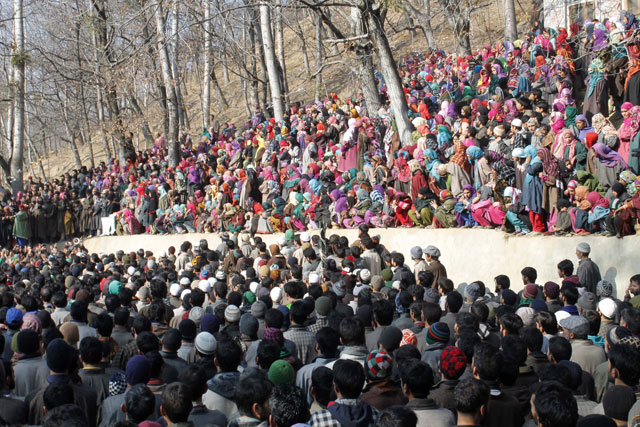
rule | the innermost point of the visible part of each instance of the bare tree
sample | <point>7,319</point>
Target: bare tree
<point>510,22</point>
<point>18,62</point>
<point>272,65</point>
<point>172,102</point>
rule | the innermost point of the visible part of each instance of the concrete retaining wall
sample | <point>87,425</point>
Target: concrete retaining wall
<point>468,254</point>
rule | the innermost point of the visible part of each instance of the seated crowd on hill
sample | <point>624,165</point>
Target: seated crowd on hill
<point>309,332</point>
<point>499,141</point>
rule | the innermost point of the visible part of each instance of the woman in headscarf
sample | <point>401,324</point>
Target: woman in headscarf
<point>484,211</point>
<point>418,178</point>
<point>580,214</point>
<point>597,96</point>
<point>459,177</point>
<point>599,211</point>
<point>550,177</point>
<point>402,203</point>
<point>607,134</point>
<point>532,192</point>
<point>402,175</point>
<point>349,147</point>
<point>609,165</point>
<point>463,207</point>
<point>481,171</point>
<point>570,151</point>
<point>629,129</point>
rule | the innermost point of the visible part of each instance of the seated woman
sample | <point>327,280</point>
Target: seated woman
<point>445,216</point>
<point>485,211</point>
<point>463,207</point>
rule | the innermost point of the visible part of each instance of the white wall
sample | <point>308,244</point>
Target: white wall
<point>468,254</point>
<point>555,11</point>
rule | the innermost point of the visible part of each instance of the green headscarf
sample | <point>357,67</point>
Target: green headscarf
<point>570,113</point>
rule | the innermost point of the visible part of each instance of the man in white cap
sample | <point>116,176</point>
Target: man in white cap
<point>432,255</point>
<point>174,293</point>
<point>588,271</point>
<point>419,264</point>
<point>607,308</point>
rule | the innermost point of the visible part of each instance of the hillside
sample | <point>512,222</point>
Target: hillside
<point>486,28</point>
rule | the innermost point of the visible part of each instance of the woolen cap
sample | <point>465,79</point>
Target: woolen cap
<point>281,372</point>
<point>617,401</point>
<point>587,301</point>
<point>416,252</point>
<point>232,314</point>
<point>323,306</point>
<point>583,247</point>
<point>206,343</point>
<point>575,324</point>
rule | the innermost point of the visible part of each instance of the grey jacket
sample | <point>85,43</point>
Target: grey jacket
<point>30,373</point>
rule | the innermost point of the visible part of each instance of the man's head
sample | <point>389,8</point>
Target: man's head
<point>634,285</point>
<point>487,362</point>
<point>139,403</point>
<point>351,331</point>
<point>624,364</point>
<point>471,397</point>
<point>176,403</point>
<point>252,394</point>
<point>416,378</point>
<point>288,405</point>
<point>583,250</point>
<point>348,379</point>
<point>553,405</point>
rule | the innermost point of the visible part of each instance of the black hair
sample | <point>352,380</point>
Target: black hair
<point>566,266</point>
<point>141,324</point>
<point>328,341</point>
<point>352,331</point>
<point>288,405</point>
<point>511,323</point>
<point>555,405</point>
<point>383,312</point>
<point>59,299</point>
<point>121,316</point>
<point>548,322</point>
<point>417,376</point>
<point>397,416</point>
<point>194,377</point>
<point>514,350</point>
<point>172,340</point>
<point>348,376</point>
<point>228,355</point>
<point>176,402</point>
<point>139,402</point>
<point>431,312</point>
<point>91,350</point>
<point>532,338</point>
<point>67,415</point>
<point>322,382</point>
<point>268,352</point>
<point>79,311</point>
<point>470,395</point>
<point>147,342</point>
<point>488,361</point>
<point>57,395</point>
<point>103,324</point>
<point>253,388</point>
<point>560,348</point>
<point>273,318</point>
<point>454,301</point>
<point>298,313</point>
<point>570,293</point>
<point>466,320</point>
<point>626,359</point>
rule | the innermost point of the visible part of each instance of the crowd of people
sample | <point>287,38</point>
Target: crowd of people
<point>313,331</point>
<point>518,136</point>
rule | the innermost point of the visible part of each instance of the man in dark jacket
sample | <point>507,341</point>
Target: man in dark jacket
<point>173,365</point>
<point>348,380</point>
<point>221,388</point>
<point>59,358</point>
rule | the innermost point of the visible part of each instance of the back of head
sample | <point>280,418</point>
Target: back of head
<point>176,402</point>
<point>470,396</point>
<point>254,388</point>
<point>397,416</point>
<point>417,376</point>
<point>487,361</point>
<point>288,405</point>
<point>555,405</point>
<point>322,383</point>
<point>560,348</point>
<point>68,415</point>
<point>171,340</point>
<point>352,331</point>
<point>139,402</point>
<point>195,378</point>
<point>625,359</point>
<point>228,355</point>
<point>348,377</point>
<point>57,395</point>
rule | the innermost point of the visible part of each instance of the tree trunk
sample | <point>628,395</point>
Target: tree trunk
<point>510,21</point>
<point>364,67</point>
<point>270,59</point>
<point>458,13</point>
<point>18,64</point>
<point>392,78</point>
<point>303,47</point>
<point>144,125</point>
<point>252,23</point>
<point>206,85</point>
<point>319,59</point>
<point>173,59</point>
<point>172,102</point>
<point>280,54</point>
